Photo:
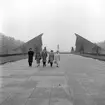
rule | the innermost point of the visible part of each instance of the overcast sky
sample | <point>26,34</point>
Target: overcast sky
<point>57,19</point>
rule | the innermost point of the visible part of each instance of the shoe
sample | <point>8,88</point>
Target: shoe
<point>57,66</point>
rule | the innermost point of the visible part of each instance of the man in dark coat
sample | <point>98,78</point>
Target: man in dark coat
<point>44,57</point>
<point>30,57</point>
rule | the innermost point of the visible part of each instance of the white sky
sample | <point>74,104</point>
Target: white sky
<point>57,19</point>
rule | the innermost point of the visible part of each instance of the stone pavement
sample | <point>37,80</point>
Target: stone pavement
<point>78,81</point>
<point>22,85</point>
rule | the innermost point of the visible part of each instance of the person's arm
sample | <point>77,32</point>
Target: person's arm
<point>35,56</point>
<point>46,54</point>
<point>53,57</point>
<point>59,57</point>
<point>41,54</point>
<point>49,56</point>
<point>33,53</point>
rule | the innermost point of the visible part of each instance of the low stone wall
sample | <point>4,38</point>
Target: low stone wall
<point>12,58</point>
<point>94,56</point>
<point>102,58</point>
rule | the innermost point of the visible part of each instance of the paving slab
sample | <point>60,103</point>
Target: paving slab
<point>14,101</point>
<point>58,101</point>
<point>59,93</point>
<point>37,101</point>
<point>29,84</point>
<point>17,97</point>
<point>14,83</point>
<point>48,81</point>
<point>12,90</point>
<point>78,80</point>
<point>3,96</point>
<point>41,93</point>
<point>99,98</point>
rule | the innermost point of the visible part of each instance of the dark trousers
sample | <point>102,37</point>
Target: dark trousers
<point>51,63</point>
<point>44,64</point>
<point>30,63</point>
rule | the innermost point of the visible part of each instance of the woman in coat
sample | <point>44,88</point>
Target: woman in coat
<point>38,58</point>
<point>57,59</point>
<point>51,58</point>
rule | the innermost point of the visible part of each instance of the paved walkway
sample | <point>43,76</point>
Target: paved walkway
<point>22,85</point>
<point>78,81</point>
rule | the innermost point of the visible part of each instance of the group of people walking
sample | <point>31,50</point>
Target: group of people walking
<point>52,57</point>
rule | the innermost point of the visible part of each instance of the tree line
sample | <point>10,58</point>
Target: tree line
<point>7,44</point>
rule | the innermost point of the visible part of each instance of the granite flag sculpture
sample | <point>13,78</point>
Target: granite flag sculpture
<point>35,44</point>
<point>83,44</point>
<point>86,46</point>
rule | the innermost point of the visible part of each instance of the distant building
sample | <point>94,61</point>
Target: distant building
<point>35,44</point>
<point>85,46</point>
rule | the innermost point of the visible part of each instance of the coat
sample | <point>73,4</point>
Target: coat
<point>38,57</point>
<point>51,57</point>
<point>30,56</point>
<point>44,56</point>
<point>57,58</point>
